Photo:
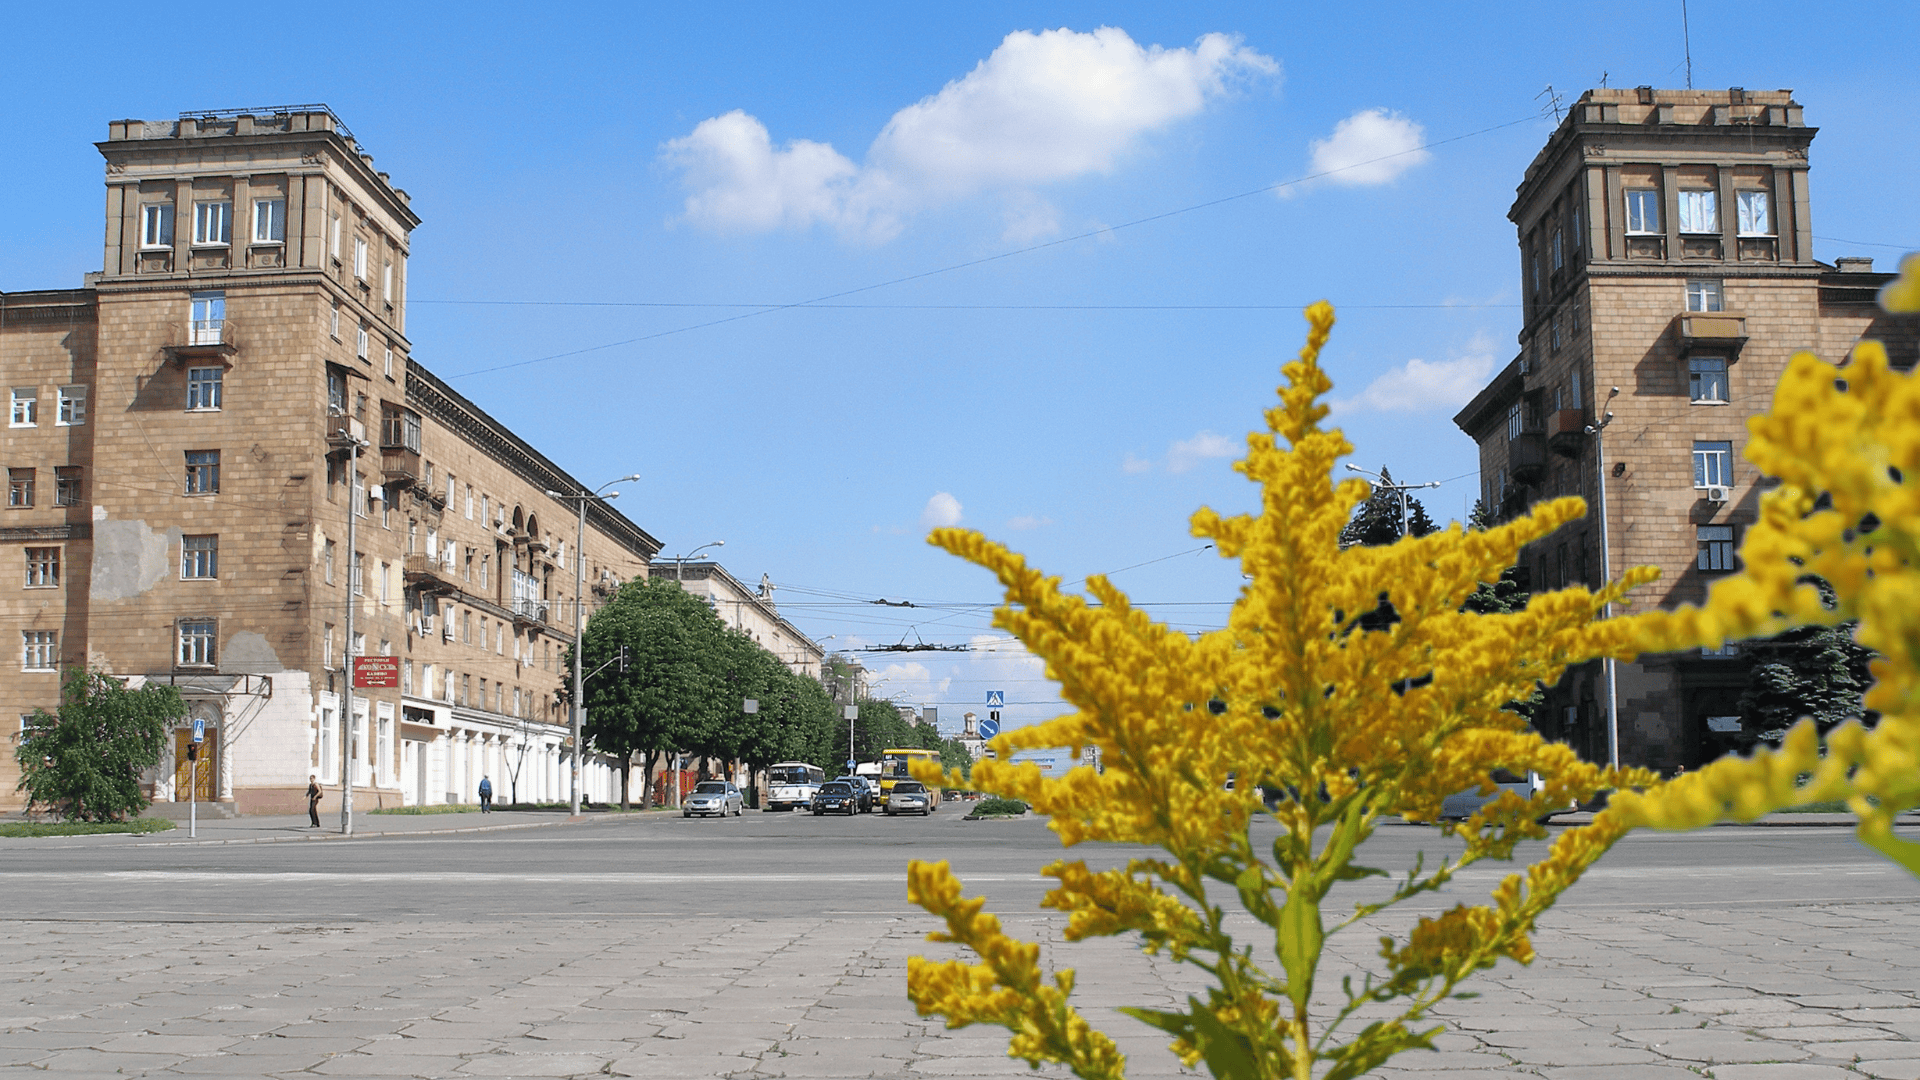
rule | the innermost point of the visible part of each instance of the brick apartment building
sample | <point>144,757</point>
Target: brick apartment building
<point>188,434</point>
<point>1666,250</point>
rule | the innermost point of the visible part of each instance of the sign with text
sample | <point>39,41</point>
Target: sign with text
<point>376,672</point>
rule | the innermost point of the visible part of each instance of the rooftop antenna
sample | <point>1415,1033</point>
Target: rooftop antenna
<point>1686,42</point>
<point>1603,80</point>
<point>1553,101</point>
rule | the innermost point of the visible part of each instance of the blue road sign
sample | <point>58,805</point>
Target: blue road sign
<point>989,728</point>
<point>199,729</point>
<point>996,699</point>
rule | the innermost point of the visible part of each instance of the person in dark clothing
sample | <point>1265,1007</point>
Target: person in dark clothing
<point>486,795</point>
<point>313,800</point>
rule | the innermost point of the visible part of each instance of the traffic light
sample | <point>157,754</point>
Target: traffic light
<point>193,751</point>
<point>994,715</point>
<point>623,659</point>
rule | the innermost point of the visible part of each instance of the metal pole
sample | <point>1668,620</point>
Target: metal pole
<point>346,647</point>
<point>1606,574</point>
<point>579,606</point>
<point>193,784</point>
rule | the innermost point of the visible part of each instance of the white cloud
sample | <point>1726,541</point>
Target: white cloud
<point>1029,521</point>
<point>958,683</point>
<point>1028,218</point>
<point>942,512</point>
<point>1427,386</point>
<point>1133,466</point>
<point>1043,108</point>
<point>1184,454</point>
<point>1370,147</point>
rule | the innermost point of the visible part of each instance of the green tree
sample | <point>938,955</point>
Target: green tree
<point>1377,522</point>
<point>84,764</point>
<point>674,692</point>
<point>794,721</point>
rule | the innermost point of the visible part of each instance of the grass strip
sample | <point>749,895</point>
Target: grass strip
<point>83,828</point>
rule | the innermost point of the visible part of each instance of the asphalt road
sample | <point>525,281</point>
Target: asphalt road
<point>770,865</point>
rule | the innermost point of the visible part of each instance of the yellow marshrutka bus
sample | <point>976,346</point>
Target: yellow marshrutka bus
<point>893,767</point>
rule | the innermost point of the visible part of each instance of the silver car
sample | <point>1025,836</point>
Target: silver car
<point>713,797</point>
<point>909,797</point>
<point>1462,805</point>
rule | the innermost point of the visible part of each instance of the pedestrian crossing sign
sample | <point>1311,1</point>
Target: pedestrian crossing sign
<point>996,699</point>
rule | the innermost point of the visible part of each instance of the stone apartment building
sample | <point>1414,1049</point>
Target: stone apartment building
<point>1667,270</point>
<point>193,434</point>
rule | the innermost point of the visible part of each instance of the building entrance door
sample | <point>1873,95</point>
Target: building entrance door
<point>208,770</point>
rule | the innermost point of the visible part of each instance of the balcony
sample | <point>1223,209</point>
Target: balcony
<point>1567,432</point>
<point>529,611</point>
<point>428,573</point>
<point>1718,333</point>
<point>1527,457</point>
<point>400,465</point>
<point>341,428</point>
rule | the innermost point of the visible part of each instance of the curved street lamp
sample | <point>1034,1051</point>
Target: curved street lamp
<point>680,561</point>
<point>581,500</point>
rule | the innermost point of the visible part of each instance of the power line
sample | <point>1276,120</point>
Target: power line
<point>1105,230</point>
<point>666,304</point>
<point>1869,243</point>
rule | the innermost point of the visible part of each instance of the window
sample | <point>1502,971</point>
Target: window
<point>335,328</point>
<point>1750,208</point>
<point>466,627</point>
<point>447,684</point>
<point>66,485</point>
<point>203,472</point>
<point>43,567</point>
<point>466,569</point>
<point>269,221</point>
<point>469,502</point>
<point>485,561</point>
<point>406,676</point>
<point>1707,379</point>
<point>359,645</point>
<point>156,225</point>
<point>329,752</point>
<point>362,495</point>
<point>199,557</point>
<point>1712,464</point>
<point>386,587</point>
<point>486,509</point>
<point>1573,390</point>
<point>212,224</point>
<point>73,407</point>
<point>326,561</point>
<point>481,701</point>
<point>1559,251</point>
<point>1705,294</point>
<point>39,650</point>
<point>196,643</point>
<point>466,688</point>
<point>360,257</point>
<point>1535,263</point>
<point>1514,421</point>
<point>26,406</point>
<point>336,393</point>
<point>1555,334</point>
<point>326,651</point>
<point>383,745</point>
<point>333,237</point>
<point>360,342</point>
<point>1716,548</point>
<point>450,485</point>
<point>203,387</point>
<point>1698,212</point>
<point>386,281</point>
<point>209,318</point>
<point>389,362</point>
<point>19,487</point>
<point>354,574</point>
<point>1643,211</point>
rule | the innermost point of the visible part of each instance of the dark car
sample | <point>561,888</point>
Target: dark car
<point>838,796</point>
<point>861,787</point>
<point>909,797</point>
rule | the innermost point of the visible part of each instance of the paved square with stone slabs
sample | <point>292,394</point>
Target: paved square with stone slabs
<point>1794,993</point>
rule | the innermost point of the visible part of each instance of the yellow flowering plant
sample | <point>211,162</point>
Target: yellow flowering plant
<point>1844,443</point>
<point>1339,722</point>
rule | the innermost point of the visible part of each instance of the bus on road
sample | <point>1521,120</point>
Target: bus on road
<point>791,785</point>
<point>893,766</point>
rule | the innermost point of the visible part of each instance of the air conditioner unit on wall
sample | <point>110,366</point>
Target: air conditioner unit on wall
<point>1718,493</point>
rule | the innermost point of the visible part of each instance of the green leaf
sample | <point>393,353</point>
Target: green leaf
<point>1355,873</point>
<point>1252,884</point>
<point>1298,939</point>
<point>1228,1053</point>
<point>1176,1024</point>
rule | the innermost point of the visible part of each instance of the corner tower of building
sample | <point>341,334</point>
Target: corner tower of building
<point>1667,274</point>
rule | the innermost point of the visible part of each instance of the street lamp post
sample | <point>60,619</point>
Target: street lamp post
<point>1598,431</point>
<point>680,561</point>
<point>579,610</point>
<point>1406,517</point>
<point>353,444</point>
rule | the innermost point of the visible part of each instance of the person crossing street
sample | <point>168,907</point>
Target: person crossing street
<point>486,795</point>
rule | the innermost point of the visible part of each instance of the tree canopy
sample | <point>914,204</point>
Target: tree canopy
<point>1377,522</point>
<point>85,763</point>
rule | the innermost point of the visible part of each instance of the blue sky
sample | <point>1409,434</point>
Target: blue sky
<point>594,177</point>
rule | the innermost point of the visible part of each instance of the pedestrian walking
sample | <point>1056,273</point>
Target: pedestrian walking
<point>313,800</point>
<point>486,795</point>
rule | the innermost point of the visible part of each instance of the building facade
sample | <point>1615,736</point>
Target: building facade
<point>223,441</point>
<point>1667,270</point>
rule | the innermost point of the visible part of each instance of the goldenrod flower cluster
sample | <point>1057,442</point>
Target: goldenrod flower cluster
<point>1845,444</point>
<point>1336,721</point>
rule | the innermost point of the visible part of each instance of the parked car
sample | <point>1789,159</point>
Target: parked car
<point>717,798</point>
<point>862,787</point>
<point>837,796</point>
<point>909,797</point>
<point>1462,805</point>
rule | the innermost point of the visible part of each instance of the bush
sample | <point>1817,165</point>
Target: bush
<point>997,805</point>
<point>85,763</point>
